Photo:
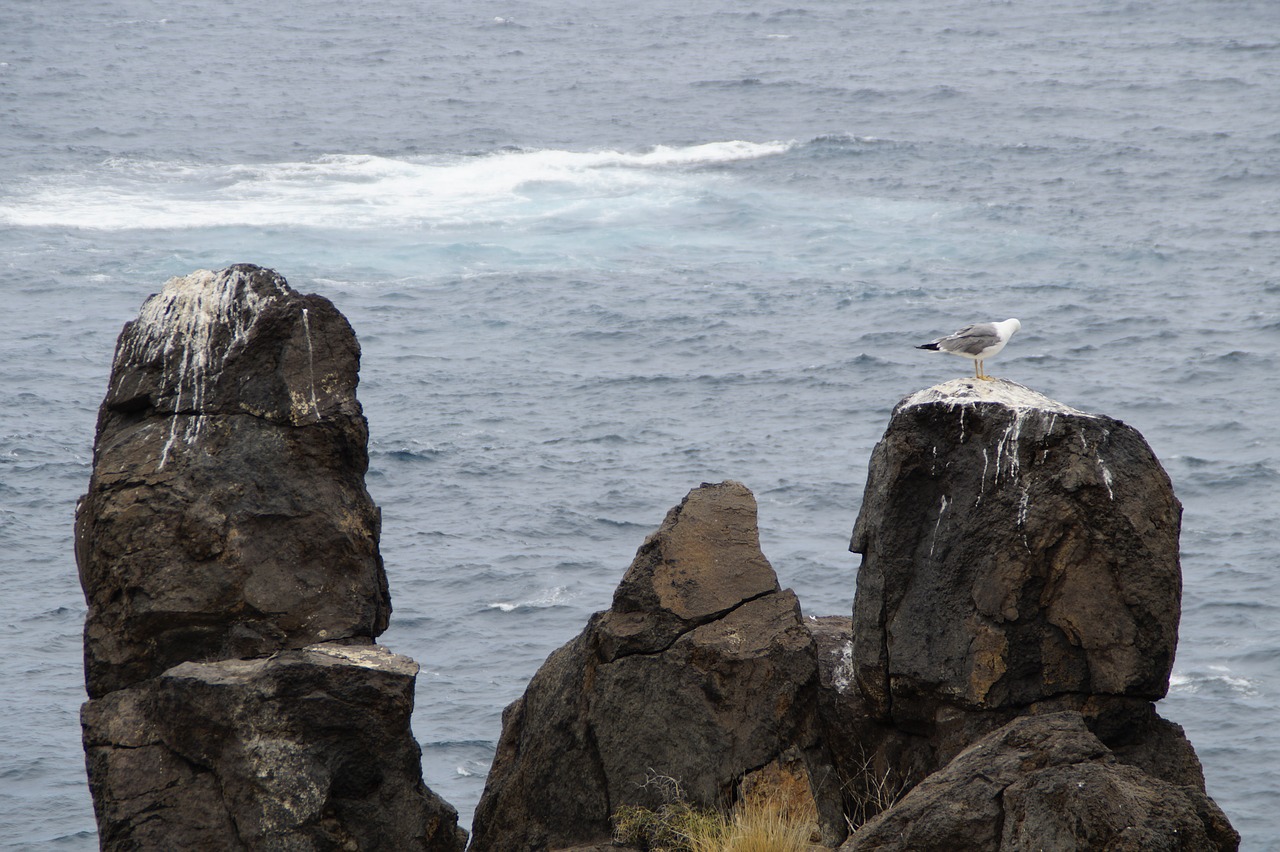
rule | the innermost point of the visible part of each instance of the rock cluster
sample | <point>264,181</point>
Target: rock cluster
<point>1015,617</point>
<point>228,552</point>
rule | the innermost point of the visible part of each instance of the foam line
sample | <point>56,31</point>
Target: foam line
<point>362,191</point>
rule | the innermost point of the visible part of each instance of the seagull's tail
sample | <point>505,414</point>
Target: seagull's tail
<point>933,346</point>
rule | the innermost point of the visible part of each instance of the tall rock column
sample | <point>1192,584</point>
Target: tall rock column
<point>227,514</point>
<point>227,519</point>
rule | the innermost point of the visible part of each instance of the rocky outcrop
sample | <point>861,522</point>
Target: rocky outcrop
<point>228,552</point>
<point>1020,564</point>
<point>1014,550</point>
<point>227,514</point>
<point>1045,782</point>
<point>1016,616</point>
<point>1015,619</point>
<point>702,672</point>
<point>307,749</point>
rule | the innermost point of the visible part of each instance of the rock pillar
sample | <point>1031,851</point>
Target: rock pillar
<point>1016,615</point>
<point>1014,550</point>
<point>227,520</point>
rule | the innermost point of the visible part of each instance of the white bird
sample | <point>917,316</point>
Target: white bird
<point>977,342</point>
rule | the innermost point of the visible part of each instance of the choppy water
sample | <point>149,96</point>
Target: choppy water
<point>597,253</point>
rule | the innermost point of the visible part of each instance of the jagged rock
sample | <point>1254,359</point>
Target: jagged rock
<point>1045,782</point>
<point>701,672</point>
<point>227,514</point>
<point>1014,550</point>
<point>306,750</point>
<point>702,562</point>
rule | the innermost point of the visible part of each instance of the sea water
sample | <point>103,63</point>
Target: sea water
<point>599,253</point>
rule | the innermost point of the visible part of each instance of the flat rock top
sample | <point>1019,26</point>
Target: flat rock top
<point>1003,392</point>
<point>375,657</point>
<point>366,656</point>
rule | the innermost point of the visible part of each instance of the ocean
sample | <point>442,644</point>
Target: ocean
<point>597,253</point>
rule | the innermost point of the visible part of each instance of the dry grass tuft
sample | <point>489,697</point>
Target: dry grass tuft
<point>775,817</point>
<point>757,828</point>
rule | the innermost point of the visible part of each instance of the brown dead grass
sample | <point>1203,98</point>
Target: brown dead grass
<point>777,816</point>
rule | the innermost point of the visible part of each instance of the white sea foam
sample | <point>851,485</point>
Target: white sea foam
<point>363,191</point>
<point>1217,679</point>
<point>546,598</point>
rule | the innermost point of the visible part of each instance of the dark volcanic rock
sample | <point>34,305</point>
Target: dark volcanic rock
<point>1019,590</point>
<point>1014,550</point>
<point>227,518</point>
<point>305,750</point>
<point>1045,782</point>
<point>1016,614</point>
<point>227,514</point>
<point>704,561</point>
<point>701,672</point>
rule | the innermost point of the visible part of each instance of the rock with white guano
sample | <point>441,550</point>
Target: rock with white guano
<point>227,520</point>
<point>227,514</point>
<point>1014,550</point>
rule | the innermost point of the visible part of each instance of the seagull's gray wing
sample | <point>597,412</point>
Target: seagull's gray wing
<point>971,339</point>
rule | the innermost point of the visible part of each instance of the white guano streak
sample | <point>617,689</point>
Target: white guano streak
<point>311,365</point>
<point>942,510</point>
<point>179,327</point>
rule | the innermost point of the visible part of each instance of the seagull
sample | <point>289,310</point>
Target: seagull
<point>979,342</point>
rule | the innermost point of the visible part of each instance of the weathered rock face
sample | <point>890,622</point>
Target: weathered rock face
<point>1045,782</point>
<point>1016,614</point>
<point>227,519</point>
<point>227,514</point>
<point>1014,550</point>
<point>702,672</point>
<point>305,750</point>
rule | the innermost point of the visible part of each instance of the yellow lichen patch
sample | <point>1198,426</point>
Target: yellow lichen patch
<point>302,407</point>
<point>987,663</point>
